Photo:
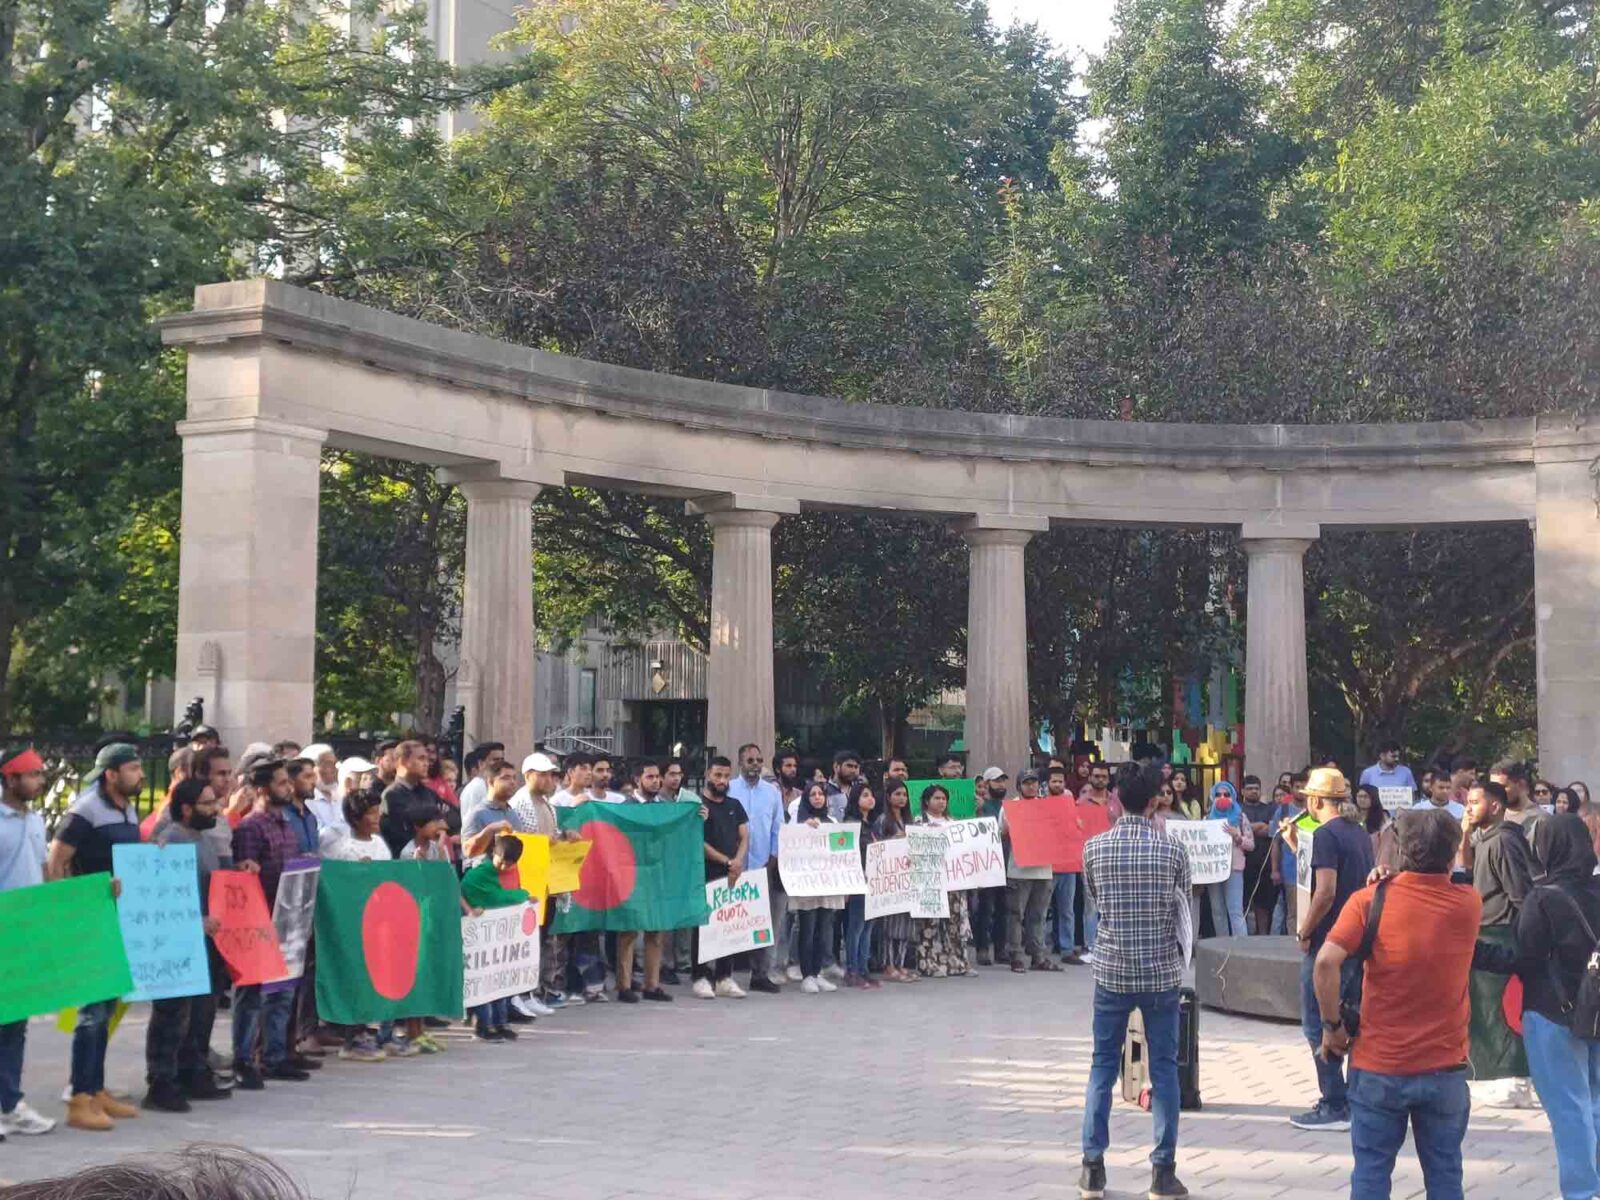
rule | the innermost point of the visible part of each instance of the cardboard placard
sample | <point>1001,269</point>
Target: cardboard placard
<point>248,940</point>
<point>825,861</point>
<point>741,917</point>
<point>1209,847</point>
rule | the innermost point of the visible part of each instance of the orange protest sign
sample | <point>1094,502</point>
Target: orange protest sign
<point>1045,832</point>
<point>248,940</point>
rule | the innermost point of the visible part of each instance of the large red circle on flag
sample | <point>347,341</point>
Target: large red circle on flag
<point>391,934</point>
<point>607,876</point>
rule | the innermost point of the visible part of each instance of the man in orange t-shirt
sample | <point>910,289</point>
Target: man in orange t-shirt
<point>1408,1063</point>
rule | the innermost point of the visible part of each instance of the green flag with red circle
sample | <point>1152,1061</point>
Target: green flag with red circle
<point>388,941</point>
<point>645,869</point>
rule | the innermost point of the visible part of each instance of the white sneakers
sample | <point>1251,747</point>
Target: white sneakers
<point>793,972</point>
<point>24,1120</point>
<point>703,990</point>
<point>833,972</point>
<point>812,984</point>
<point>808,985</point>
<point>824,984</point>
<point>727,989</point>
<point>527,1006</point>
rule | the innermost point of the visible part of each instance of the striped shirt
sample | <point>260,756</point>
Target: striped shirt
<point>1138,875</point>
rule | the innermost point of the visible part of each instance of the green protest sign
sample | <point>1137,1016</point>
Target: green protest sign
<point>62,945</point>
<point>963,796</point>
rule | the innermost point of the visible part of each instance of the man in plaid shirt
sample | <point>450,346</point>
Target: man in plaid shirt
<point>1137,876</point>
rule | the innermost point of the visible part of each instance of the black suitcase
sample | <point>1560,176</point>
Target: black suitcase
<point>1135,1070</point>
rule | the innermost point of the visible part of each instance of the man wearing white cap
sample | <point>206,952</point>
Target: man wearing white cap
<point>321,756</point>
<point>532,804</point>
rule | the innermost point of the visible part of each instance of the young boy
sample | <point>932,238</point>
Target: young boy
<point>481,888</point>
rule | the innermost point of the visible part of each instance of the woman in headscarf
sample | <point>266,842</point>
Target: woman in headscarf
<point>1227,898</point>
<point>1556,931</point>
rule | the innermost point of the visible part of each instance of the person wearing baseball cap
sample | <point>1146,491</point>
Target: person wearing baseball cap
<point>22,854</point>
<point>100,818</point>
<point>989,921</point>
<point>1028,891</point>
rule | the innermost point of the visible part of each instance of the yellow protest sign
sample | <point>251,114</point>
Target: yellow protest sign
<point>565,860</point>
<point>533,868</point>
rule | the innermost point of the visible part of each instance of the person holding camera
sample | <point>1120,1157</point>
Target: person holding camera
<point>1414,933</point>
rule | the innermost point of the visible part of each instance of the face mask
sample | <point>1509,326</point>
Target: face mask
<point>202,821</point>
<point>1224,803</point>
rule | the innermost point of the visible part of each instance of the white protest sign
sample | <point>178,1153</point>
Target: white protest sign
<point>741,917</point>
<point>974,859</point>
<point>500,953</point>
<point>293,914</point>
<point>928,846</point>
<point>1209,846</point>
<point>888,878</point>
<point>1302,870</point>
<point>825,861</point>
<point>1396,799</point>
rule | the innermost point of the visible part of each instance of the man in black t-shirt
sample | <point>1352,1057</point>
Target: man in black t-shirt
<point>407,800</point>
<point>727,838</point>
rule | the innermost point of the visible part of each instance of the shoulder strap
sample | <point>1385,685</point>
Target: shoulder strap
<point>1374,915</point>
<point>1577,908</point>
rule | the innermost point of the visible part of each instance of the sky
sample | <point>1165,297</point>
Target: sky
<point>1073,25</point>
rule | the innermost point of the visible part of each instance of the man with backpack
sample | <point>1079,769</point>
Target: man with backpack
<point>1415,933</point>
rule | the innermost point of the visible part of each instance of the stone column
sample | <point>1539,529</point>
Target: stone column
<point>740,706</point>
<point>997,727</point>
<point>497,648</point>
<point>1277,705</point>
<point>1566,604</point>
<point>247,576</point>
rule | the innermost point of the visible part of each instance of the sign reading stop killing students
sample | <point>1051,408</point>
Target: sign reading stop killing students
<point>825,861</point>
<point>500,953</point>
<point>1209,847</point>
<point>888,878</point>
<point>974,859</point>
<point>741,917</point>
<point>159,911</point>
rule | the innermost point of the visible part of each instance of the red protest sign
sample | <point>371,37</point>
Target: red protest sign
<point>248,940</point>
<point>1045,833</point>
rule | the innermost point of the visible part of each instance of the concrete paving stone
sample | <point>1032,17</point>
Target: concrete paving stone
<point>943,1089</point>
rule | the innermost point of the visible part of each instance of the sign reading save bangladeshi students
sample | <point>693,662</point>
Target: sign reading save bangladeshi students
<point>247,940</point>
<point>61,946</point>
<point>741,917</point>
<point>499,953</point>
<point>1209,847</point>
<point>161,922</point>
<point>825,861</point>
<point>1045,832</point>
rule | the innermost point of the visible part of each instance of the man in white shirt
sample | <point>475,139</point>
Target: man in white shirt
<point>579,771</point>
<point>1389,771</point>
<point>481,763</point>
<point>600,781</point>
<point>1442,797</point>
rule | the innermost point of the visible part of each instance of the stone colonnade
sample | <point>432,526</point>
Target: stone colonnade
<point>277,373</point>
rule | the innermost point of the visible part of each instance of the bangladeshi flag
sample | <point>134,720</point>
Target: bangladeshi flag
<point>645,870</point>
<point>388,941</point>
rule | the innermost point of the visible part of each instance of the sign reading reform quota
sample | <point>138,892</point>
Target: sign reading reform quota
<point>1209,846</point>
<point>500,953</point>
<point>825,861</point>
<point>161,923</point>
<point>741,917</point>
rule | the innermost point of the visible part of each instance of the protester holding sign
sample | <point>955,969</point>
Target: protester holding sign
<point>101,817</point>
<point>22,854</point>
<point>942,942</point>
<point>1227,897</point>
<point>727,843</point>
<point>814,914</point>
<point>481,889</point>
<point>178,1040</point>
<point>896,928</point>
<point>1029,888</point>
<point>860,807</point>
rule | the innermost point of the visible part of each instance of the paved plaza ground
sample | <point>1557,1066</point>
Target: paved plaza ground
<point>937,1089</point>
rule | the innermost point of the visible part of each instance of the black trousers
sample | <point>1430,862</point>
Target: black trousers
<point>178,1039</point>
<point>989,922</point>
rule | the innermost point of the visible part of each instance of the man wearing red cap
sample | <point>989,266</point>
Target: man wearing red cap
<point>22,854</point>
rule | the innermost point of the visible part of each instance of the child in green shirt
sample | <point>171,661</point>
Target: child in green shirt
<point>481,888</point>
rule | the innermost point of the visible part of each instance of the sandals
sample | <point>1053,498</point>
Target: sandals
<point>1045,964</point>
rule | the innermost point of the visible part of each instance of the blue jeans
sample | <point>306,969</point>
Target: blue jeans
<point>1330,1075</point>
<point>1227,906</point>
<point>1111,1011</point>
<point>857,936</point>
<point>493,1015</point>
<point>1061,902</point>
<point>13,1037</point>
<point>1436,1104</point>
<point>1566,1074</point>
<point>89,1038</point>
<point>264,1015</point>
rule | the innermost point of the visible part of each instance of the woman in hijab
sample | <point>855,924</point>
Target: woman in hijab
<point>1556,931</point>
<point>1227,898</point>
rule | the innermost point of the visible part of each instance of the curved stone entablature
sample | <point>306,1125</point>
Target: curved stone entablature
<point>278,373</point>
<point>389,384</point>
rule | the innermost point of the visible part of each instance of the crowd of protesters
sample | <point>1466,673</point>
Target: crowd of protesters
<point>1418,901</point>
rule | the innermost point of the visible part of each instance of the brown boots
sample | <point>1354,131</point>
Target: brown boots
<point>94,1113</point>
